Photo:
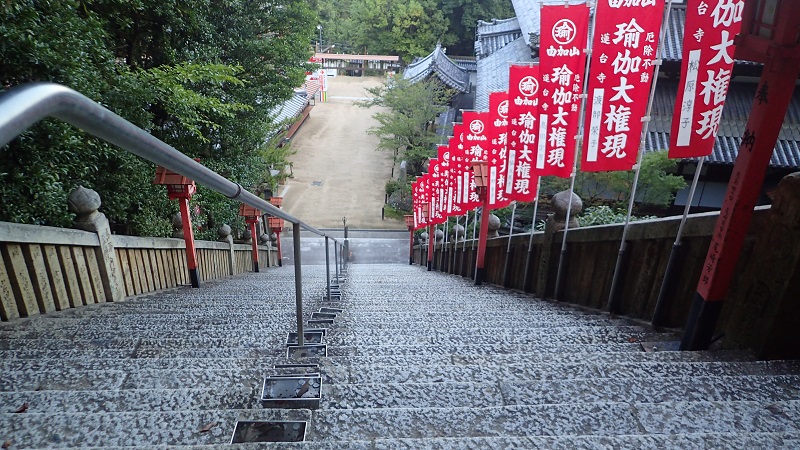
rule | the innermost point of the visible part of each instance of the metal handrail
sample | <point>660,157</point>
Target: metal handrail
<point>23,106</point>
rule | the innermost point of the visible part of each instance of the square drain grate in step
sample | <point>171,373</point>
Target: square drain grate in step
<point>306,367</point>
<point>307,351</point>
<point>322,315</point>
<point>302,391</point>
<point>277,431</point>
<point>310,337</point>
<point>317,322</point>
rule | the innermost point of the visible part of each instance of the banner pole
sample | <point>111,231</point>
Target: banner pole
<point>508,247</point>
<point>455,246</point>
<point>464,247</point>
<point>472,262</point>
<point>666,284</point>
<point>445,241</point>
<point>530,240</point>
<point>578,147</point>
<point>614,292</point>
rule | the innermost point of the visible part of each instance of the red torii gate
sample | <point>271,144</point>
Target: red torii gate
<point>769,36</point>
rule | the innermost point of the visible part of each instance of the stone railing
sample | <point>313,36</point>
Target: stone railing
<point>44,269</point>
<point>590,259</point>
<point>761,299</point>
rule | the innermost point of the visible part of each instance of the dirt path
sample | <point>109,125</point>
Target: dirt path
<point>337,171</point>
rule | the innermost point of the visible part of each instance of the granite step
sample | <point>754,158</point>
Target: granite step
<point>780,440</point>
<point>600,419</point>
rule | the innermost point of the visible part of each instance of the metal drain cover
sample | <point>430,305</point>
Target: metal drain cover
<point>306,351</point>
<point>277,431</point>
<point>316,183</point>
<point>302,391</point>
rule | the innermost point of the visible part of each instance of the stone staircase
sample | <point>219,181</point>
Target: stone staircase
<point>416,360</point>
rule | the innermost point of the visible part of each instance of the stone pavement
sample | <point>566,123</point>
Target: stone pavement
<point>416,360</point>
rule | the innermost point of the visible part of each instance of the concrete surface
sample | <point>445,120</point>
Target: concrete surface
<point>337,170</point>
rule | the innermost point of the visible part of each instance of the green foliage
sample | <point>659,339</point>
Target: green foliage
<point>407,28</point>
<point>656,186</point>
<point>200,75</point>
<point>463,16</point>
<point>405,126</point>
<point>605,215</point>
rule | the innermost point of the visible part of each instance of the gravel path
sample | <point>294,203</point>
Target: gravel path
<point>337,170</point>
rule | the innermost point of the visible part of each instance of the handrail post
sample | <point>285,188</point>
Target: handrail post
<point>327,269</point>
<point>298,283</point>
<point>336,259</point>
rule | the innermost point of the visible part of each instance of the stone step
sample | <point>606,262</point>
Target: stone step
<point>148,429</point>
<point>132,400</point>
<point>170,387</point>
<point>779,440</point>
<point>253,335</point>
<point>34,375</point>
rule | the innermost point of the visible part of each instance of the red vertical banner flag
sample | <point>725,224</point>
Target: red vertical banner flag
<point>462,178</point>
<point>624,48</point>
<point>705,75</point>
<point>420,202</point>
<point>562,64</point>
<point>476,148</point>
<point>436,194</point>
<point>523,101</point>
<point>498,150</point>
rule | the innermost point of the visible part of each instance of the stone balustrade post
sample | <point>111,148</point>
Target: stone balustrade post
<point>85,203</point>
<point>224,233</point>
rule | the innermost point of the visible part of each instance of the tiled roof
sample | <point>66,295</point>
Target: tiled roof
<point>494,35</point>
<point>493,70</point>
<point>437,62</point>
<point>470,65</point>
<point>528,13</point>
<point>290,108</point>
<point>734,117</point>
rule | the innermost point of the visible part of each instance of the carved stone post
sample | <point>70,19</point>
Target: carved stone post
<point>224,233</point>
<point>85,203</point>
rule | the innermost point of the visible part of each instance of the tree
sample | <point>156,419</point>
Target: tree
<point>463,16</point>
<point>408,28</point>
<point>406,126</point>
<point>200,75</point>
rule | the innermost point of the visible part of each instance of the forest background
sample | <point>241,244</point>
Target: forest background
<point>201,75</point>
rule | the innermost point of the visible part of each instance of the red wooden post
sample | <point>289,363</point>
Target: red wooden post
<point>181,188</point>
<point>276,225</point>
<point>481,182</point>
<point>781,56</point>
<point>251,216</point>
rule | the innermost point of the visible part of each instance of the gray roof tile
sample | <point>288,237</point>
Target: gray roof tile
<point>493,70</point>
<point>445,69</point>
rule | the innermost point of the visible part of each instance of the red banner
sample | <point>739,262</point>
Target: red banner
<point>420,201</point>
<point>562,64</point>
<point>462,178</point>
<point>523,101</point>
<point>498,150</point>
<point>436,192</point>
<point>476,148</point>
<point>705,75</point>
<point>624,48</point>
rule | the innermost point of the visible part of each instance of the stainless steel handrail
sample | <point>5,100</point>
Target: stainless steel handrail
<point>23,106</point>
